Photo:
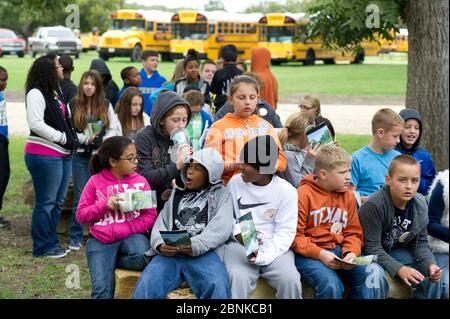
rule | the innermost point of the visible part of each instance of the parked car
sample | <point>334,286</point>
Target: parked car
<point>11,44</point>
<point>58,40</point>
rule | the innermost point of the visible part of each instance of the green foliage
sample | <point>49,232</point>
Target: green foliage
<point>345,23</point>
<point>269,6</point>
<point>214,5</point>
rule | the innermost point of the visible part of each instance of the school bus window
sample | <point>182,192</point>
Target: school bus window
<point>122,24</point>
<point>149,26</point>
<point>194,31</point>
<point>163,27</point>
<point>212,29</point>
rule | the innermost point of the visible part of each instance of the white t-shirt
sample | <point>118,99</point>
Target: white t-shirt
<point>274,210</point>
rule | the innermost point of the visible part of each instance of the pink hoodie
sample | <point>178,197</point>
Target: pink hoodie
<point>108,225</point>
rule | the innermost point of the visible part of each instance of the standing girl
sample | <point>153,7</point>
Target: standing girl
<point>230,134</point>
<point>88,108</point>
<point>117,238</point>
<point>130,112</point>
<point>192,76</point>
<point>299,154</point>
<point>48,152</point>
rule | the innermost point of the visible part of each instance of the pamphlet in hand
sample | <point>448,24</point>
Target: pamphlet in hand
<point>248,232</point>
<point>93,128</point>
<point>175,238</point>
<point>137,200</point>
<point>361,260</point>
<point>319,134</point>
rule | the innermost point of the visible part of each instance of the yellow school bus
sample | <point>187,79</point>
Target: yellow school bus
<point>277,33</point>
<point>90,40</point>
<point>132,31</point>
<point>401,41</point>
<point>209,31</point>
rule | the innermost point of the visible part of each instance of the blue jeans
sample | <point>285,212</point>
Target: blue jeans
<point>364,281</point>
<point>425,290</point>
<point>206,276</point>
<point>103,259</point>
<point>50,176</point>
<point>80,173</point>
<point>442,259</point>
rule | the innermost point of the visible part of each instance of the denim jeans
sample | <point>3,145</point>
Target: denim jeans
<point>206,276</point>
<point>4,167</point>
<point>103,259</point>
<point>50,176</point>
<point>80,175</point>
<point>425,290</point>
<point>364,281</point>
<point>442,260</point>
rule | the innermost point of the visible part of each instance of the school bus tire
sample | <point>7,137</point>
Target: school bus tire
<point>310,57</point>
<point>136,53</point>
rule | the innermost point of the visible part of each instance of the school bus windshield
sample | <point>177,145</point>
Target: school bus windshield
<point>191,31</point>
<point>279,34</point>
<point>123,24</point>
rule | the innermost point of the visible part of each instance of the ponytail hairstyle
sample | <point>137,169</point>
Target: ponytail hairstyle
<point>113,147</point>
<point>296,125</point>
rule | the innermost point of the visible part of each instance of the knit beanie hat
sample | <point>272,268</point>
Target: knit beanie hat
<point>261,152</point>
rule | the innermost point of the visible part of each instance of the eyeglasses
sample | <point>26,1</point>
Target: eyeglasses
<point>304,107</point>
<point>130,159</point>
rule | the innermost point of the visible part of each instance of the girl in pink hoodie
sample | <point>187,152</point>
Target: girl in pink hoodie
<point>117,239</point>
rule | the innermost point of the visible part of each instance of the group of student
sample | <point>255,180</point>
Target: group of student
<point>304,200</point>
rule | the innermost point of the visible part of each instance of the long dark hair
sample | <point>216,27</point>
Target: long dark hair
<point>99,106</point>
<point>123,110</point>
<point>112,147</point>
<point>42,74</point>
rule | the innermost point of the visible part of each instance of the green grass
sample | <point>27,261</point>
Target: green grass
<point>23,276</point>
<point>345,79</point>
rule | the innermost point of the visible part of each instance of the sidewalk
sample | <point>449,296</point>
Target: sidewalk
<point>346,119</point>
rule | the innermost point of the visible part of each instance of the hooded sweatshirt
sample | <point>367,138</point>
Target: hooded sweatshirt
<point>318,210</point>
<point>260,61</point>
<point>107,225</point>
<point>438,213</point>
<point>427,170</point>
<point>111,88</point>
<point>377,214</point>
<point>153,146</point>
<point>219,225</point>
<point>230,134</point>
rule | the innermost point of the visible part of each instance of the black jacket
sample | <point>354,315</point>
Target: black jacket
<point>111,88</point>
<point>69,90</point>
<point>220,84</point>
<point>153,147</point>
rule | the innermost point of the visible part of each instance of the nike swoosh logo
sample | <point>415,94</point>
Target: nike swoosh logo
<point>244,206</point>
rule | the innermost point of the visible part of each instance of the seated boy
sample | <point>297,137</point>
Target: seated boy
<point>272,202</point>
<point>200,120</point>
<point>204,209</point>
<point>130,76</point>
<point>394,222</point>
<point>370,163</point>
<point>328,227</point>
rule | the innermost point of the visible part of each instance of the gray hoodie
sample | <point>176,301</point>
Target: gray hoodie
<point>376,216</point>
<point>153,146</point>
<point>220,208</point>
<point>299,164</point>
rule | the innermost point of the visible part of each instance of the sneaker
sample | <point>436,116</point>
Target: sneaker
<point>63,248</point>
<point>4,223</point>
<point>56,253</point>
<point>75,246</point>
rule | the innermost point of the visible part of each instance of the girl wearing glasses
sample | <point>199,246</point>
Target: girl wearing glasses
<point>117,238</point>
<point>310,105</point>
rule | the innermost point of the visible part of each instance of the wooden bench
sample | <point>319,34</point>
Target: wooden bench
<point>126,280</point>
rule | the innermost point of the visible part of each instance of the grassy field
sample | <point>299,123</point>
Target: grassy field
<point>21,275</point>
<point>348,79</point>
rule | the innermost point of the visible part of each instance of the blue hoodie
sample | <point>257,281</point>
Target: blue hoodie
<point>427,170</point>
<point>148,86</point>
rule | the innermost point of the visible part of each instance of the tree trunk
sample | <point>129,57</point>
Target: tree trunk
<point>428,79</point>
